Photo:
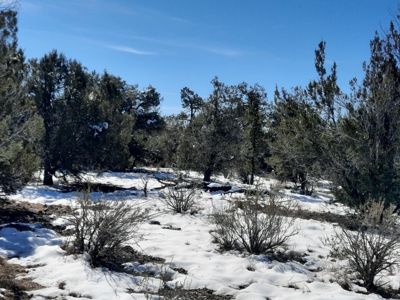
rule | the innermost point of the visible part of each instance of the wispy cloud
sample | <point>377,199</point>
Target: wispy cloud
<point>180,20</point>
<point>191,45</point>
<point>130,50</point>
<point>223,51</point>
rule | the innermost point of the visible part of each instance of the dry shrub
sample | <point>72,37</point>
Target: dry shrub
<point>373,247</point>
<point>103,225</point>
<point>145,184</point>
<point>260,225</point>
<point>179,199</point>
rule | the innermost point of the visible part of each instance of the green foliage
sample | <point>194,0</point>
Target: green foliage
<point>91,121</point>
<point>191,102</point>
<point>17,161</point>
<point>166,142</point>
<point>369,132</point>
<point>148,124</point>
<point>58,87</point>
<point>210,139</point>
<point>111,121</point>
<point>225,133</point>
<point>254,144</point>
<point>295,128</point>
<point>351,140</point>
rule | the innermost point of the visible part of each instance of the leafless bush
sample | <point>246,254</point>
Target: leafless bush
<point>373,247</point>
<point>145,184</point>
<point>102,225</point>
<point>225,233</point>
<point>179,199</point>
<point>261,225</point>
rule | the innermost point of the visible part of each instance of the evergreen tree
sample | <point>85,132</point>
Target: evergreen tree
<point>71,133</point>
<point>370,130</point>
<point>253,145</point>
<point>58,87</point>
<point>305,128</point>
<point>294,132</point>
<point>166,143</point>
<point>191,102</point>
<point>17,120</point>
<point>111,119</point>
<point>211,139</point>
<point>148,124</point>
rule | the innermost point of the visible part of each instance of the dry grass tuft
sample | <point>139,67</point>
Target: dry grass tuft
<point>16,288</point>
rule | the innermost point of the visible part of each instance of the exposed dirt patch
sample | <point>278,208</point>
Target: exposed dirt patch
<point>95,187</point>
<point>24,212</point>
<point>343,220</point>
<point>188,294</point>
<point>180,270</point>
<point>15,288</point>
<point>124,255</point>
<point>12,213</point>
<point>197,294</point>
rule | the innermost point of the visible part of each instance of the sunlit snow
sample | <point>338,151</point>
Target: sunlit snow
<point>232,273</point>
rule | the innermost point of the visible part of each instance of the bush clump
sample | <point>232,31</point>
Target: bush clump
<point>103,225</point>
<point>259,224</point>
<point>179,200</point>
<point>372,244</point>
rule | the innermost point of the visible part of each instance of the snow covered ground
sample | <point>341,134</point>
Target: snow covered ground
<point>191,248</point>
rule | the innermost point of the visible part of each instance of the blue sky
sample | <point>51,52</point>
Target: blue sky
<point>171,44</point>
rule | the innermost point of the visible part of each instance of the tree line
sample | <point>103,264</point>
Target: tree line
<point>57,116</point>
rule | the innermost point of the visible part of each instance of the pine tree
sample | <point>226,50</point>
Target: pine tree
<point>253,145</point>
<point>295,136</point>
<point>191,102</point>
<point>371,127</point>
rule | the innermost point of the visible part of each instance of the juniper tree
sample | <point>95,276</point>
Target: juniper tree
<point>148,123</point>
<point>112,119</point>
<point>211,139</point>
<point>58,87</point>
<point>17,120</point>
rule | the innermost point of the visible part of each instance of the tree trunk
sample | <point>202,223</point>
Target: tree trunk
<point>48,177</point>
<point>303,181</point>
<point>207,174</point>
<point>253,169</point>
<point>369,284</point>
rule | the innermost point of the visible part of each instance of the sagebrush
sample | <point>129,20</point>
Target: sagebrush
<point>103,225</point>
<point>179,199</point>
<point>372,244</point>
<point>258,225</point>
